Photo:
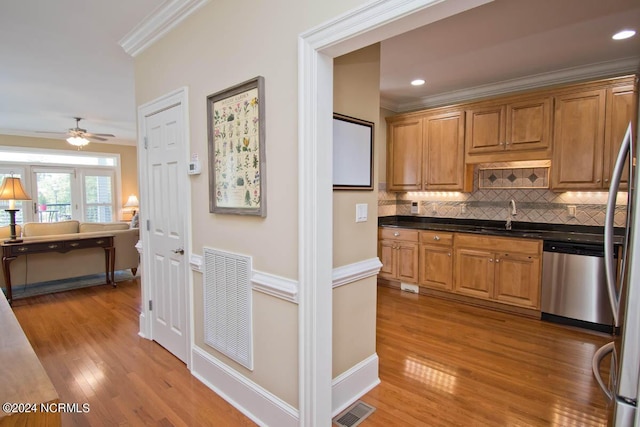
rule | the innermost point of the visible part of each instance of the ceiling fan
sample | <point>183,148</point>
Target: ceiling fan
<point>80,137</point>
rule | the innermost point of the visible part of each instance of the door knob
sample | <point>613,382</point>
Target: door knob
<point>178,251</point>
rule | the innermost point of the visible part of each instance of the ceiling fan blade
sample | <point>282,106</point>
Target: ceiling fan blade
<point>97,138</point>
<point>100,134</point>
<point>56,133</point>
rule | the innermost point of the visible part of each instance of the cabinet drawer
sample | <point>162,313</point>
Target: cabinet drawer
<point>98,242</point>
<point>499,244</point>
<point>33,248</point>
<point>436,238</point>
<point>399,234</point>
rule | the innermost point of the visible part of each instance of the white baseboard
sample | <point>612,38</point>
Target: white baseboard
<point>258,404</point>
<point>354,383</point>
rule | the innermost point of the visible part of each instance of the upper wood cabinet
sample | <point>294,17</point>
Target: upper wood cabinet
<point>517,130</point>
<point>621,108</point>
<point>578,136</point>
<point>443,167</point>
<point>404,154</point>
<point>589,127</point>
<point>426,152</point>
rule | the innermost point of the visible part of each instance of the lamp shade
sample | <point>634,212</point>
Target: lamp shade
<point>78,141</point>
<point>132,202</point>
<point>12,189</point>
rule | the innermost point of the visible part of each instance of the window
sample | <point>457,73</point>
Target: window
<point>98,197</point>
<point>63,185</point>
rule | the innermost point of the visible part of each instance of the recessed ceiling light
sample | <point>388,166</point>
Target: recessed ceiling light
<point>624,34</point>
<point>417,82</point>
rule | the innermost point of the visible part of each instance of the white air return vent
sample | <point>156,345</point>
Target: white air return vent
<point>227,305</point>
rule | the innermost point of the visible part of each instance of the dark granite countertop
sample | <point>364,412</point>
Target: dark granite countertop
<point>529,230</point>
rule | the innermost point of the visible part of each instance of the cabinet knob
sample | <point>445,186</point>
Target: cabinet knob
<point>52,246</point>
<point>506,143</point>
<point>598,180</point>
<point>449,254</point>
<point>396,234</point>
<point>490,259</point>
<point>74,245</point>
<point>436,238</point>
<point>497,260</point>
<point>606,180</point>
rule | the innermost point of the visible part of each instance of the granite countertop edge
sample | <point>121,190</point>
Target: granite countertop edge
<point>586,234</point>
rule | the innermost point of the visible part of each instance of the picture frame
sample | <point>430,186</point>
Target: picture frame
<point>236,143</point>
<point>352,153</point>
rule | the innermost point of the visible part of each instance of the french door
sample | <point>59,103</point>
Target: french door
<point>62,193</point>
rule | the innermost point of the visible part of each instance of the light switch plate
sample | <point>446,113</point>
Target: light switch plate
<point>415,208</point>
<point>361,212</point>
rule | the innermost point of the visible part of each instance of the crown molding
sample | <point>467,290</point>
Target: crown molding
<point>566,75</point>
<point>157,24</point>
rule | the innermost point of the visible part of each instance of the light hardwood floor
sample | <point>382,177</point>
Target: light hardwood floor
<point>441,364</point>
<point>448,364</point>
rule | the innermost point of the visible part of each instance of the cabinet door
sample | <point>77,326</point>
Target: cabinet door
<point>386,253</point>
<point>404,155</point>
<point>518,280</point>
<point>578,138</point>
<point>528,124</point>
<point>621,109</point>
<point>444,152</point>
<point>485,129</point>
<point>474,272</point>
<point>436,267</point>
<point>407,255</point>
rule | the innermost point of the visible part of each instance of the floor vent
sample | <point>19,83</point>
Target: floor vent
<point>227,305</point>
<point>354,414</point>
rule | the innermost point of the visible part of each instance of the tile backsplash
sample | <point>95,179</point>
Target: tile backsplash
<point>533,204</point>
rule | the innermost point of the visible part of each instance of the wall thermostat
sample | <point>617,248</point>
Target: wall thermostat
<point>194,165</point>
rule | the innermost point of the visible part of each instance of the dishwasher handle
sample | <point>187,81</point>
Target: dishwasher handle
<point>599,355</point>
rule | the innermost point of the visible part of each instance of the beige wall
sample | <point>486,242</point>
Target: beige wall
<point>128,157</point>
<point>356,83</point>
<point>225,43</point>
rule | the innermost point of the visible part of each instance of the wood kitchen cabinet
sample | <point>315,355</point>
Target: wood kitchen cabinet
<point>443,139</point>
<point>398,253</point>
<point>505,270</point>
<point>519,129</point>
<point>588,130</point>
<point>426,152</point>
<point>404,153</point>
<point>436,260</point>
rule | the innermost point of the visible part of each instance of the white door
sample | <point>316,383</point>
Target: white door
<point>166,187</point>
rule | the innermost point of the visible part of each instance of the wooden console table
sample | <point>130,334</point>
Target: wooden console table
<point>11,251</point>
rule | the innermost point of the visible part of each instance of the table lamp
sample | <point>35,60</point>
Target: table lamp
<point>12,190</point>
<point>132,202</point>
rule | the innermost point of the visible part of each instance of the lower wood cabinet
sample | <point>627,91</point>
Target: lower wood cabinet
<point>436,260</point>
<point>501,269</point>
<point>398,253</point>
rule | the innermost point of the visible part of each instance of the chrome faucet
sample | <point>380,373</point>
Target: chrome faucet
<point>511,213</point>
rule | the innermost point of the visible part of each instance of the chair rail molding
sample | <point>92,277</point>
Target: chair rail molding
<point>157,24</point>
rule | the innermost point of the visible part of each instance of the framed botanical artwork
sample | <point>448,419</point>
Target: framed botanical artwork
<point>352,153</point>
<point>235,124</point>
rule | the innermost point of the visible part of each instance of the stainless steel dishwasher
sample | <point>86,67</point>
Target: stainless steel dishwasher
<point>574,289</point>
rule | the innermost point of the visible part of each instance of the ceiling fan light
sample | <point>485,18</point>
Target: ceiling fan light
<point>77,141</point>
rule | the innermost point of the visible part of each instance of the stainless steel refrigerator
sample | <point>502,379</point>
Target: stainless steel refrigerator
<point>623,283</point>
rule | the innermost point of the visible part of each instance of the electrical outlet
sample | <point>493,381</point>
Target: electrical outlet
<point>415,208</point>
<point>463,208</point>
<point>434,208</point>
<point>571,211</point>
